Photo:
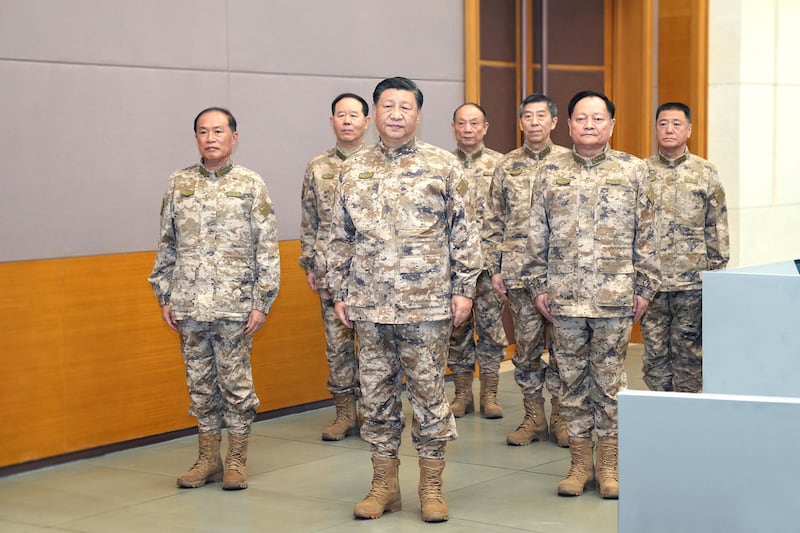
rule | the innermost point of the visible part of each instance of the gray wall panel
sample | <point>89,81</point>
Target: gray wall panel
<point>95,132</point>
<point>94,147</point>
<point>349,38</point>
<point>177,33</point>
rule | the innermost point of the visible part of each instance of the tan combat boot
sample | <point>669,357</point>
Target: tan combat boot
<point>581,472</point>
<point>463,402</point>
<point>558,428</point>
<point>384,496</point>
<point>606,469</point>
<point>235,477</point>
<point>533,426</point>
<point>208,467</point>
<point>346,423</point>
<point>489,406</point>
<point>434,508</point>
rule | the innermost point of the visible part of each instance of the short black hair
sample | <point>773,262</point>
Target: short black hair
<point>588,94</point>
<point>398,82</point>
<point>539,97</point>
<point>231,120</point>
<point>679,106</point>
<point>473,104</point>
<point>364,105</point>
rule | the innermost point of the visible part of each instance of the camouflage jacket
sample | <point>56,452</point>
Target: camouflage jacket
<point>592,244</point>
<point>507,221</point>
<point>402,242</point>
<point>319,182</point>
<point>691,220</point>
<point>478,169</point>
<point>218,252</point>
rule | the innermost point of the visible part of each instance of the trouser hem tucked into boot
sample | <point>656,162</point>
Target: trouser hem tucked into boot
<point>558,428</point>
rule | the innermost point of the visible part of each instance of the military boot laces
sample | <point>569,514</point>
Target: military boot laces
<point>434,508</point>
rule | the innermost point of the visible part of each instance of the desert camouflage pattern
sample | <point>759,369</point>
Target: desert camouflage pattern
<point>487,322</point>
<point>531,371</point>
<point>319,183</point>
<point>691,220</point>
<point>672,329</point>
<point>402,242</point>
<point>691,224</point>
<point>218,253</point>
<point>487,308</point>
<point>507,220</point>
<point>218,375</point>
<point>591,362</point>
<point>592,244</point>
<point>386,354</point>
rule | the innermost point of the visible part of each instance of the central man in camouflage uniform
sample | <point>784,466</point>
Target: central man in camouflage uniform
<point>470,127</point>
<point>505,234</point>
<point>403,259</point>
<point>593,269</point>
<point>350,120</point>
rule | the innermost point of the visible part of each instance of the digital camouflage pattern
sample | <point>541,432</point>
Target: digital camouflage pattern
<point>218,375</point>
<point>672,330</point>
<point>691,220</point>
<point>487,309</point>
<point>417,351</point>
<point>592,244</point>
<point>591,363</point>
<point>591,248</point>
<point>507,221</point>
<point>531,372</point>
<point>218,251</point>
<point>691,225</point>
<point>319,183</point>
<point>402,242</point>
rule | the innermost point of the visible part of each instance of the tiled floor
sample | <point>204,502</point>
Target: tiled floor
<point>299,483</point>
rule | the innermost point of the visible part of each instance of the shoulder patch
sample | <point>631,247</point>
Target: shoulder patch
<point>515,172</point>
<point>265,208</point>
<point>187,192</point>
<point>365,175</point>
<point>234,194</point>
<point>327,176</point>
<point>613,181</point>
<point>563,181</point>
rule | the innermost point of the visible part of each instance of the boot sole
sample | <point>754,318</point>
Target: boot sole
<point>197,484</point>
<point>586,486</point>
<point>436,518</point>
<point>352,432</point>
<point>393,507</point>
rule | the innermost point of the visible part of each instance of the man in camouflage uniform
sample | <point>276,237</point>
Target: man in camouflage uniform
<point>350,120</point>
<point>505,234</point>
<point>216,275</point>
<point>403,259</point>
<point>691,224</point>
<point>470,127</point>
<point>592,268</point>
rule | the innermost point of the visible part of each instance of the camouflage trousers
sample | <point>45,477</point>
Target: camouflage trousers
<point>591,362</point>
<point>487,322</point>
<point>218,375</point>
<point>672,330</point>
<point>531,372</point>
<point>339,350</point>
<point>386,354</point>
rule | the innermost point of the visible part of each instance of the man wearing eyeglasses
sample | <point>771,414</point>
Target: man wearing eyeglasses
<point>593,268</point>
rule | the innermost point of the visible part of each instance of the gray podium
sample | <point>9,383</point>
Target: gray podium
<point>724,460</point>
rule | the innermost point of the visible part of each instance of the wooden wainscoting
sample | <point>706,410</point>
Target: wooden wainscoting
<point>88,361</point>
